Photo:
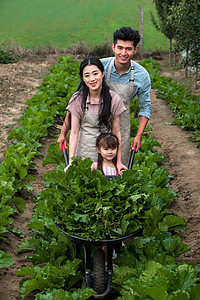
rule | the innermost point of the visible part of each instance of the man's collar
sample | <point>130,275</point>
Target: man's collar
<point>115,71</point>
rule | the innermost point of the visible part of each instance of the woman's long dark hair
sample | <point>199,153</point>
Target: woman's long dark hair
<point>109,140</point>
<point>104,113</point>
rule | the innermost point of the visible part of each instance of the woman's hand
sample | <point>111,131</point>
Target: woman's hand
<point>121,168</point>
<point>94,166</point>
<point>62,139</point>
<point>66,168</point>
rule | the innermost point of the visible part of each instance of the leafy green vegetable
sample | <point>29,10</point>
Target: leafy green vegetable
<point>185,105</point>
<point>79,294</point>
<point>6,260</point>
<point>156,281</point>
<point>86,204</point>
<point>49,277</point>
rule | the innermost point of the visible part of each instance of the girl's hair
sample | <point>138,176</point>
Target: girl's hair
<point>104,114</point>
<point>109,140</point>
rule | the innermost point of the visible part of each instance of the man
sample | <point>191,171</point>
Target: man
<point>128,79</point>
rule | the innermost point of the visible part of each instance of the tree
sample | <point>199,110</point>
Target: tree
<point>164,24</point>
<point>186,18</point>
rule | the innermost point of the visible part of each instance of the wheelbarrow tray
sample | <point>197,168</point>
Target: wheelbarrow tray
<point>100,242</point>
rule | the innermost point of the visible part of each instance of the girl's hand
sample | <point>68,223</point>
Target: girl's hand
<point>121,168</point>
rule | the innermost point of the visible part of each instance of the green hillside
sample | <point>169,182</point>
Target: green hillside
<point>65,22</point>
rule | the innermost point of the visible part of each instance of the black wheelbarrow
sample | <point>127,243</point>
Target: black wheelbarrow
<point>97,275</point>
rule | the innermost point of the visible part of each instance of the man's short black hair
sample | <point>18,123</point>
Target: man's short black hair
<point>126,34</point>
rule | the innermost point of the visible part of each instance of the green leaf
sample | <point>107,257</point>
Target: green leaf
<point>31,285</point>
<point>6,260</point>
<point>26,246</point>
<point>156,293</point>
<point>174,246</point>
<point>181,295</point>
<point>49,277</point>
<point>172,222</point>
<point>78,294</point>
<point>19,203</point>
<point>22,172</point>
<point>194,292</point>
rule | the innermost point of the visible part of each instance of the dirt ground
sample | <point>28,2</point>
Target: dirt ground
<point>19,82</point>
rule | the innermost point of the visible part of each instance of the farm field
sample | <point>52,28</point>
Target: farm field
<point>19,83</point>
<point>63,22</point>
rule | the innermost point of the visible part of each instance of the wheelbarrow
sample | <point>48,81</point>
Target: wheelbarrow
<point>97,276</point>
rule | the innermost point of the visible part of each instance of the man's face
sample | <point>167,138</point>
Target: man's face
<point>124,51</point>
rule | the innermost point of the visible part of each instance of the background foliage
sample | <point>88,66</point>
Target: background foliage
<point>64,22</point>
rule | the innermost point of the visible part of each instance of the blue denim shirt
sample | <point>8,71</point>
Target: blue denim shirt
<point>142,84</point>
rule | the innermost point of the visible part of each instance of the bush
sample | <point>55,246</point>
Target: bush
<point>8,57</point>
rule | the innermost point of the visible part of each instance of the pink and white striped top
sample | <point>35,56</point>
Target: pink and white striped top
<point>109,171</point>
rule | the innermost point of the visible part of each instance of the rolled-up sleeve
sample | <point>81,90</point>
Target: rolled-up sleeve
<point>144,98</point>
<point>74,106</point>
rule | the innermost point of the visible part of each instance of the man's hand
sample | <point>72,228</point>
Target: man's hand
<point>136,145</point>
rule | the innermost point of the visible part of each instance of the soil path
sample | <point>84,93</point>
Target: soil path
<point>182,160</point>
<point>18,84</point>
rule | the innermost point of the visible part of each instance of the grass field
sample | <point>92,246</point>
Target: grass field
<point>66,22</point>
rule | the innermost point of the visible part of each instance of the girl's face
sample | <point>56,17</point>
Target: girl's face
<point>93,77</point>
<point>107,153</point>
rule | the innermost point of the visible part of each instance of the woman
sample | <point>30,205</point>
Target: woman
<point>94,109</point>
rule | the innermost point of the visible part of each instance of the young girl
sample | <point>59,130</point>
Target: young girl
<point>94,109</point>
<point>107,145</point>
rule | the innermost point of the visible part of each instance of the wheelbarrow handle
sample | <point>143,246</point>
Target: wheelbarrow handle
<point>130,164</point>
<point>64,151</point>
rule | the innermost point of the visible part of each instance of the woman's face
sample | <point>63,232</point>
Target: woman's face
<point>93,77</point>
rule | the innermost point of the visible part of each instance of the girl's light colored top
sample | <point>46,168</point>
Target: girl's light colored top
<point>109,171</point>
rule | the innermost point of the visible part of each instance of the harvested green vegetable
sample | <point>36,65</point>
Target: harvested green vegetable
<point>89,206</point>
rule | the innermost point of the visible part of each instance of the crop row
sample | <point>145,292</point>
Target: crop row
<point>186,106</point>
<point>147,268</point>
<point>18,158</point>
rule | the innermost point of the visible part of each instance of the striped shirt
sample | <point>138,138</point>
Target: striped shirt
<point>109,171</point>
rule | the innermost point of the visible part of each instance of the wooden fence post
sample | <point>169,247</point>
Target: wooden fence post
<point>141,32</point>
